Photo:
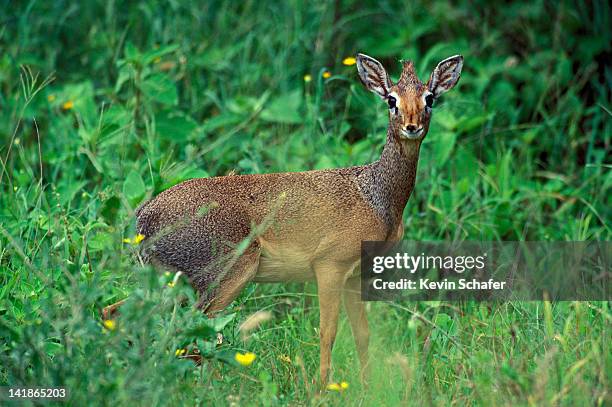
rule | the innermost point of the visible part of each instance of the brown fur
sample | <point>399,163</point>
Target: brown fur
<point>314,221</point>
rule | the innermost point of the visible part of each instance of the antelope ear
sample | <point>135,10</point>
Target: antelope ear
<point>373,75</point>
<point>446,75</point>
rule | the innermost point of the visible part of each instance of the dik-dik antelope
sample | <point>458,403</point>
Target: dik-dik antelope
<point>316,219</point>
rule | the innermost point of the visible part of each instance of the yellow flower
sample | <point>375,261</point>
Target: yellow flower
<point>137,239</point>
<point>68,105</point>
<point>339,387</point>
<point>285,358</point>
<point>51,98</point>
<point>326,74</point>
<point>245,359</point>
<point>109,324</point>
<point>307,78</point>
<point>17,141</point>
<point>171,284</point>
<point>180,352</point>
<point>348,61</point>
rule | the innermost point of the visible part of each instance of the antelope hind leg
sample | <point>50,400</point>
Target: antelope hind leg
<point>234,281</point>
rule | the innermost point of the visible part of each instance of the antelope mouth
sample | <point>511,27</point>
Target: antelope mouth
<point>412,134</point>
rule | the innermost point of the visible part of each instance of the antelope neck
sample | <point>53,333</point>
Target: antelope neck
<point>388,182</point>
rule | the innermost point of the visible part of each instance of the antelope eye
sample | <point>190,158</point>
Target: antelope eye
<point>429,99</point>
<point>391,101</point>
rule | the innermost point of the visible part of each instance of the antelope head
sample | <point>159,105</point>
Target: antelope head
<point>410,101</point>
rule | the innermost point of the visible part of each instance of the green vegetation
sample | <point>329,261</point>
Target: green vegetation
<point>104,104</point>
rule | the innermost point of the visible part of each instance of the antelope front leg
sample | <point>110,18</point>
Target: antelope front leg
<point>329,285</point>
<point>356,312</point>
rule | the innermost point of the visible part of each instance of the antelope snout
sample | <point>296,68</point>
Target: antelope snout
<point>412,131</point>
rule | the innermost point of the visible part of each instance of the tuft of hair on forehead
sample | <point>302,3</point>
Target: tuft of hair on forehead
<point>408,75</point>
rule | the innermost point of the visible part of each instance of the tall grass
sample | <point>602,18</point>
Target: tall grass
<point>104,104</point>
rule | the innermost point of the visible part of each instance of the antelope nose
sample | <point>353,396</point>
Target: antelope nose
<point>411,128</point>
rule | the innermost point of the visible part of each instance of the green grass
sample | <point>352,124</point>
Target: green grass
<point>163,91</point>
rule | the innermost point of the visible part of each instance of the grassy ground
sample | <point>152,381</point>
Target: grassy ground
<point>104,104</point>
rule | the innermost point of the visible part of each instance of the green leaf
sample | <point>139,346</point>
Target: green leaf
<point>219,323</point>
<point>469,124</point>
<point>324,162</point>
<point>125,74</point>
<point>243,105</point>
<point>160,88</point>
<point>133,187</point>
<point>203,331</point>
<point>222,120</point>
<point>446,119</point>
<point>174,126</point>
<point>131,53</point>
<point>99,242</point>
<point>193,172</point>
<point>216,58</point>
<point>209,328</point>
<point>284,109</point>
<point>51,348</point>
<point>227,356</point>
<point>82,97</point>
<point>443,146</point>
<point>150,56</point>
<point>465,165</point>
<point>183,174</point>
<point>68,190</point>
